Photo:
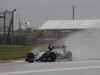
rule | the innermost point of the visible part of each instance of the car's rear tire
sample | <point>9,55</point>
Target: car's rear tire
<point>68,56</point>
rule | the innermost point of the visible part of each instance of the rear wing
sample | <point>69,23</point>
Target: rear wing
<point>58,46</point>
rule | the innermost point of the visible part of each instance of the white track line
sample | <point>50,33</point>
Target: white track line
<point>48,70</point>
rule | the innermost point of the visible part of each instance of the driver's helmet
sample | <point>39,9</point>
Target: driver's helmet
<point>47,50</point>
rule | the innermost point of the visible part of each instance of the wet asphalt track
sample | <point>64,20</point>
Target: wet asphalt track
<point>89,67</point>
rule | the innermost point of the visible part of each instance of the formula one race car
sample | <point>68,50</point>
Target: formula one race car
<point>51,54</point>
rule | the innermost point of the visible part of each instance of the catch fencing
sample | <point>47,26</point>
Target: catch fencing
<point>7,29</point>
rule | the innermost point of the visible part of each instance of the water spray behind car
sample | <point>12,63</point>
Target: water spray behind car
<point>84,45</point>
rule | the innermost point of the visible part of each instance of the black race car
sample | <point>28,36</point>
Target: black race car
<point>51,54</point>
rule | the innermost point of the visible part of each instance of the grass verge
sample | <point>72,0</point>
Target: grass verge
<point>15,52</point>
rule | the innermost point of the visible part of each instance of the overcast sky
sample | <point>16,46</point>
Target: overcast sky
<point>38,12</point>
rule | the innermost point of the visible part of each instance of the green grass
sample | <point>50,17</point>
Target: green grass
<point>14,52</point>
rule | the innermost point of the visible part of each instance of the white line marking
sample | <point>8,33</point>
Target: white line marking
<point>48,70</point>
<point>20,61</point>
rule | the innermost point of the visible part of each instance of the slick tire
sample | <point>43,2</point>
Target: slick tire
<point>30,57</point>
<point>52,57</point>
<point>44,57</point>
<point>69,56</point>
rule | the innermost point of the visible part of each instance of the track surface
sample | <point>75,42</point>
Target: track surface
<point>89,67</point>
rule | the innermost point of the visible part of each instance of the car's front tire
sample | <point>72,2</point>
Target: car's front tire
<point>30,57</point>
<point>52,57</point>
<point>44,57</point>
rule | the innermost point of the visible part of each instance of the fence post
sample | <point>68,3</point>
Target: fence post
<point>4,38</point>
<point>12,26</point>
